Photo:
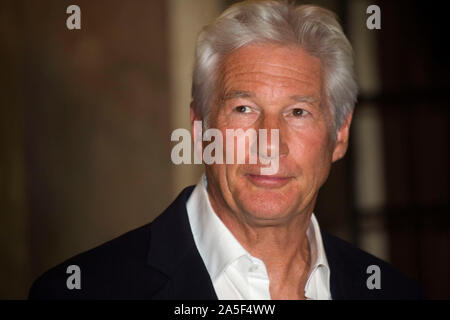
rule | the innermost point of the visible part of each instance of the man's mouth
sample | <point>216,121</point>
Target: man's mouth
<point>268,181</point>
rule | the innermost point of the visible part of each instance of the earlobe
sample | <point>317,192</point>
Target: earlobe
<point>192,113</point>
<point>342,136</point>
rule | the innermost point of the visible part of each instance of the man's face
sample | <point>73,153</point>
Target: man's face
<point>265,86</point>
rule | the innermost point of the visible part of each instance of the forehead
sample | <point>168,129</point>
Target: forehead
<point>271,66</point>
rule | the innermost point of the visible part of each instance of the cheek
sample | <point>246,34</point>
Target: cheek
<point>217,178</point>
<point>312,153</point>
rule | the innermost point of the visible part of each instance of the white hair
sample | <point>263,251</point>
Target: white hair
<point>315,29</point>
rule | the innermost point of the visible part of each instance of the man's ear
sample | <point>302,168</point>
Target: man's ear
<point>192,112</point>
<point>197,133</point>
<point>194,117</point>
<point>342,136</point>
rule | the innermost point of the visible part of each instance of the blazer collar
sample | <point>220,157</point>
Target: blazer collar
<point>172,252</point>
<point>343,275</point>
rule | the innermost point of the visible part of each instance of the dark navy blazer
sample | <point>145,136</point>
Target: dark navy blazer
<point>160,261</point>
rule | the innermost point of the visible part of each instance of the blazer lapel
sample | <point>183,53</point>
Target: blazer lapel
<point>342,274</point>
<point>173,253</point>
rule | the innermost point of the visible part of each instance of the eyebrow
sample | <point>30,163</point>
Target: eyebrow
<point>307,99</point>
<point>238,94</point>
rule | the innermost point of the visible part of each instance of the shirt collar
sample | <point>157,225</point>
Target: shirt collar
<point>216,244</point>
<point>318,283</point>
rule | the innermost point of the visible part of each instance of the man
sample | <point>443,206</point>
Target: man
<point>242,234</point>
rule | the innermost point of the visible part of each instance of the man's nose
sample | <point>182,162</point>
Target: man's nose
<point>273,146</point>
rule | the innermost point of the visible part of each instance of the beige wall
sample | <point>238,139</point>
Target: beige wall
<point>14,240</point>
<point>186,18</point>
<point>85,130</point>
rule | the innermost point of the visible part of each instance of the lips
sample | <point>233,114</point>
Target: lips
<point>268,181</point>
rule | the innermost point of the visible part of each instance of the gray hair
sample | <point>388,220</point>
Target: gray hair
<point>314,29</point>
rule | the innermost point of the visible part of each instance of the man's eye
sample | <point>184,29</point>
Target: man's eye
<point>297,112</point>
<point>242,109</point>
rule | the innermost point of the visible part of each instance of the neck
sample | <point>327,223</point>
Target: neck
<point>282,246</point>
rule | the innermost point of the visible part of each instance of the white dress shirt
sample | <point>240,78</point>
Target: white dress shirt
<point>235,274</point>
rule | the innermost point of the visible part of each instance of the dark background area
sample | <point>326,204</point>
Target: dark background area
<point>414,105</point>
<point>85,135</point>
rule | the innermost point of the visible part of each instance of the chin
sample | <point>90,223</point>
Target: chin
<point>267,205</point>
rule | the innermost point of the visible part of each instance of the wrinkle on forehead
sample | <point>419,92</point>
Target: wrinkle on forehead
<point>272,65</point>
<point>273,55</point>
<point>269,79</point>
<point>244,66</point>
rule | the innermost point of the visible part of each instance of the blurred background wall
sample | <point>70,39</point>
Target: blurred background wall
<point>86,117</point>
